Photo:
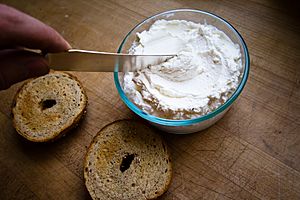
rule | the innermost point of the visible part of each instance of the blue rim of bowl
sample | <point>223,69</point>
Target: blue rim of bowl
<point>186,122</point>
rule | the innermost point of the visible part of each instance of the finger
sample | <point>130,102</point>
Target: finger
<point>19,29</point>
<point>18,65</point>
<point>10,47</point>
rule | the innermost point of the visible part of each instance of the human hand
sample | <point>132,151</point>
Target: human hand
<point>18,30</point>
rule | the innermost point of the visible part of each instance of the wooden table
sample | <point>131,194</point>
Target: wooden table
<point>252,153</point>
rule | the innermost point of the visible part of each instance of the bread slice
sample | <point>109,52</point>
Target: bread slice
<point>48,106</point>
<point>127,160</point>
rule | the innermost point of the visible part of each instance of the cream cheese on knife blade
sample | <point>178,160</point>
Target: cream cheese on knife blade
<point>203,75</point>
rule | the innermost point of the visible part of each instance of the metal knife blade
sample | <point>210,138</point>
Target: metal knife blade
<point>94,61</point>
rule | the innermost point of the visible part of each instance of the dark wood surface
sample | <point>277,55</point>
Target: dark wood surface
<point>252,153</point>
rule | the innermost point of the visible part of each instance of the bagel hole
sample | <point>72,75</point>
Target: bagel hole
<point>48,103</point>
<point>126,162</point>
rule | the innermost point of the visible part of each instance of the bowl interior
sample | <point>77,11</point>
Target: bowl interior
<point>197,17</point>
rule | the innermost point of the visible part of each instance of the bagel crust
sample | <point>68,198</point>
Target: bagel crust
<point>127,160</point>
<point>46,107</point>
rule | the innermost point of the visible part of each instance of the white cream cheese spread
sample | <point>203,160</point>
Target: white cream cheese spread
<point>201,77</point>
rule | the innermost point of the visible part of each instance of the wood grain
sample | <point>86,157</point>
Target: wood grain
<point>252,153</point>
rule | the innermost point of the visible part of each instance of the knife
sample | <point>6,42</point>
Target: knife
<point>94,61</point>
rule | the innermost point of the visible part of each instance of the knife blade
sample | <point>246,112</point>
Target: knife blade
<point>94,61</point>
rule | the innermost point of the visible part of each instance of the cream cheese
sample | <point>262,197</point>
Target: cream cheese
<point>203,75</point>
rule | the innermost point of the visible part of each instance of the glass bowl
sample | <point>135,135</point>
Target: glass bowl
<point>202,122</point>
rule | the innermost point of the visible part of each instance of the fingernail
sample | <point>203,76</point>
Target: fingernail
<point>37,67</point>
<point>69,46</point>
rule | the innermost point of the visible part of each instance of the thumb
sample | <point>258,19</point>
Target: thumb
<point>19,65</point>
